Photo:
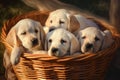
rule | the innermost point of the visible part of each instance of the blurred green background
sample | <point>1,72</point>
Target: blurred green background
<point>9,9</point>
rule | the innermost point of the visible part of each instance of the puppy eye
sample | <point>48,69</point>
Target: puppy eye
<point>50,21</point>
<point>61,22</point>
<point>97,39</point>
<point>24,33</point>
<point>50,40</point>
<point>62,41</point>
<point>36,31</point>
<point>83,37</point>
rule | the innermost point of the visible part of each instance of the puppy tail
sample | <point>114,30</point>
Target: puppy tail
<point>49,5</point>
<point>15,55</point>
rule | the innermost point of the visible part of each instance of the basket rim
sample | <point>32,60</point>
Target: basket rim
<point>76,57</point>
<point>115,34</point>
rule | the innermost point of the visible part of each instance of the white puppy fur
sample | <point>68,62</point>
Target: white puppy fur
<point>84,23</point>
<point>62,18</point>
<point>71,22</point>
<point>46,29</point>
<point>26,36</point>
<point>60,42</point>
<point>93,39</point>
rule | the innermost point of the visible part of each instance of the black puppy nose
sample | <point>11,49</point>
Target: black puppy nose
<point>34,41</point>
<point>89,46</point>
<point>54,50</point>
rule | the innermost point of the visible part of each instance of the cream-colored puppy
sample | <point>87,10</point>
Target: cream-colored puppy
<point>62,18</point>
<point>60,42</point>
<point>93,39</point>
<point>26,36</point>
<point>84,23</point>
<point>71,22</point>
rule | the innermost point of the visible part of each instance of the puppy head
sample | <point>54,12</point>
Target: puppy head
<point>30,33</point>
<point>91,39</point>
<point>57,19</point>
<point>61,43</point>
<point>62,18</point>
<point>26,33</point>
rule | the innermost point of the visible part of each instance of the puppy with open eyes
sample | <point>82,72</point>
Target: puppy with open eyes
<point>93,39</point>
<point>62,18</point>
<point>60,42</point>
<point>26,36</point>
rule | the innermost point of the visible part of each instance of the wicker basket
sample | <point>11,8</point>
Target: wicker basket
<point>87,66</point>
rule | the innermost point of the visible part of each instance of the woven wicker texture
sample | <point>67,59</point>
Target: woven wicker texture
<point>86,66</point>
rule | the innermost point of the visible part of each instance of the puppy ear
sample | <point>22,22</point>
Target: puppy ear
<point>108,40</point>
<point>11,37</point>
<point>78,37</point>
<point>16,51</point>
<point>46,45</point>
<point>75,46</point>
<point>15,55</point>
<point>47,23</point>
<point>73,24</point>
<point>41,35</point>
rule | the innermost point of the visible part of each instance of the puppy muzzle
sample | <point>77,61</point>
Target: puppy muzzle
<point>89,48</point>
<point>34,41</point>
<point>55,52</point>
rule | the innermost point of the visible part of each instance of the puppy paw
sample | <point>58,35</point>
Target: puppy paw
<point>15,55</point>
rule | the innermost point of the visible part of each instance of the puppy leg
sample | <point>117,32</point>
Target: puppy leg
<point>9,72</point>
<point>15,55</point>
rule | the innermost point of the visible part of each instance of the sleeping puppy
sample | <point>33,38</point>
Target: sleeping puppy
<point>26,36</point>
<point>60,42</point>
<point>64,19</point>
<point>93,39</point>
